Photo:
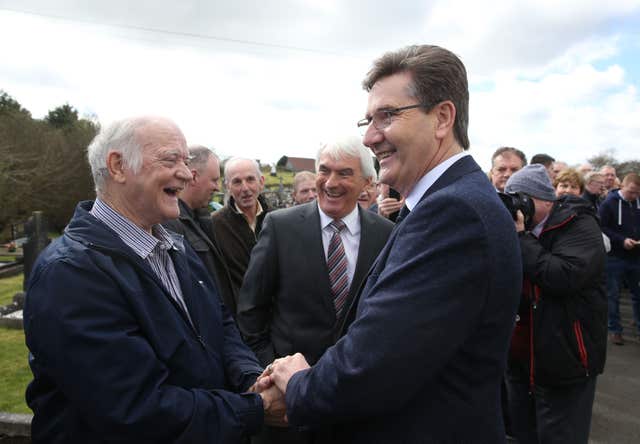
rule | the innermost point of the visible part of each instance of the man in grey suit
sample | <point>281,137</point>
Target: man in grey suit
<point>287,302</point>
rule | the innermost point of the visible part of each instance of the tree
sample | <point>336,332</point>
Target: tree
<point>62,117</point>
<point>43,163</point>
<point>608,158</point>
<point>630,166</point>
<point>603,158</point>
<point>8,105</point>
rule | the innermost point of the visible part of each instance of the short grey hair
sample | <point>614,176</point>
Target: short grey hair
<point>199,156</point>
<point>234,160</point>
<point>302,176</point>
<point>592,175</point>
<point>119,136</point>
<point>349,147</point>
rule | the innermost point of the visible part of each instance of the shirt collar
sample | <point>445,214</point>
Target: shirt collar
<point>429,179</point>
<point>259,209</point>
<point>538,228</point>
<point>141,242</point>
<point>350,220</point>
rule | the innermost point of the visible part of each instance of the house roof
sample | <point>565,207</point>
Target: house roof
<point>301,163</point>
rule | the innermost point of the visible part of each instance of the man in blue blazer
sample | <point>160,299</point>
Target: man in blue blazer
<point>424,357</point>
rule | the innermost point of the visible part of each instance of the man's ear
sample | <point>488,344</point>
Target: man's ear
<point>116,167</point>
<point>194,176</point>
<point>445,113</point>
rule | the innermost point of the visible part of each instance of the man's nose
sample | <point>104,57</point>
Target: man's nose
<point>332,180</point>
<point>372,136</point>
<point>184,173</point>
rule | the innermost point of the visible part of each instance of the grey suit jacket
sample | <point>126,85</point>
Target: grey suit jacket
<point>285,304</point>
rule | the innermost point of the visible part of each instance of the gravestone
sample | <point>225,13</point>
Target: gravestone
<point>37,239</point>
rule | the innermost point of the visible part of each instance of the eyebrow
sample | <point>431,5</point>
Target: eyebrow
<point>173,152</point>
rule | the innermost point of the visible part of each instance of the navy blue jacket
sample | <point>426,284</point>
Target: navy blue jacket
<point>115,360</point>
<point>620,220</point>
<point>424,358</point>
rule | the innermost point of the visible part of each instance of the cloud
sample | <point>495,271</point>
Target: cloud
<point>571,114</point>
<point>522,34</point>
<point>544,76</point>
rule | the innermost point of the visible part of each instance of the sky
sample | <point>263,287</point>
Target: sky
<point>280,77</point>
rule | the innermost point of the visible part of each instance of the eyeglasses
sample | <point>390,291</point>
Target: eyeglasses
<point>383,117</point>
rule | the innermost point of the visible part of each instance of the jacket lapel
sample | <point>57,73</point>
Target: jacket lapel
<point>460,168</point>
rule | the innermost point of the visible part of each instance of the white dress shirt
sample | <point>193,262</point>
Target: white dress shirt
<point>429,179</point>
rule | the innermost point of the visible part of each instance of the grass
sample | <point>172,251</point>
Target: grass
<point>14,371</point>
<point>10,286</point>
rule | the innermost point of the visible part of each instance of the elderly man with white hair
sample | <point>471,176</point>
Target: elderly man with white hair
<point>128,337</point>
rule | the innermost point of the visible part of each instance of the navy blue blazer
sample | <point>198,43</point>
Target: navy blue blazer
<point>424,358</point>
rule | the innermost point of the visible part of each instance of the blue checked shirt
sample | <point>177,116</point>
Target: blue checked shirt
<point>154,250</point>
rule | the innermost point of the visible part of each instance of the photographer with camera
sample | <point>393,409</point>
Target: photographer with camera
<point>559,342</point>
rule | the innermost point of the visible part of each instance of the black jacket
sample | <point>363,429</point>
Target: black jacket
<point>236,239</point>
<point>197,229</point>
<point>564,304</point>
<point>594,199</point>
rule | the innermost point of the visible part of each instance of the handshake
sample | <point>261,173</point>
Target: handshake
<point>271,385</point>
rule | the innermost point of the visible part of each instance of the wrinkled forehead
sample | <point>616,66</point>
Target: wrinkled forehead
<point>242,169</point>
<point>507,158</point>
<point>306,185</point>
<point>338,160</point>
<point>160,137</point>
<point>390,91</point>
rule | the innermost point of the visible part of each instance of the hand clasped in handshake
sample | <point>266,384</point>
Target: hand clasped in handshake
<point>271,385</point>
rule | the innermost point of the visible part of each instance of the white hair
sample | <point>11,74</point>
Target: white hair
<point>119,136</point>
<point>350,146</point>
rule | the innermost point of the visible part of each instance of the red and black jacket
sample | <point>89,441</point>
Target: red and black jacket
<point>560,335</point>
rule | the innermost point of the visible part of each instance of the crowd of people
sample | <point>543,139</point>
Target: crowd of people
<point>407,304</point>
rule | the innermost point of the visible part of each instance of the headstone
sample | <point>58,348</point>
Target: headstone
<point>37,239</point>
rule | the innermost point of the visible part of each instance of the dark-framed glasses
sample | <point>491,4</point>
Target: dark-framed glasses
<point>383,117</point>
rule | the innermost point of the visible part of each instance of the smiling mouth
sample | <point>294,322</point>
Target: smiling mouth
<point>332,195</point>
<point>172,191</point>
<point>381,155</point>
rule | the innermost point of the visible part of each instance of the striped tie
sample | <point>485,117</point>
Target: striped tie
<point>337,265</point>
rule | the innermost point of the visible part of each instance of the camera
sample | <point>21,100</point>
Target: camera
<point>519,201</point>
